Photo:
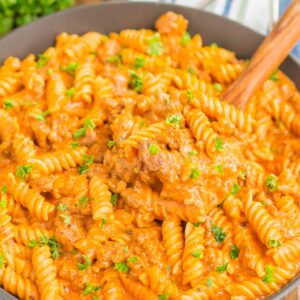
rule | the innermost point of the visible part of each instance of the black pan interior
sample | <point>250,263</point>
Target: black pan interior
<point>109,17</point>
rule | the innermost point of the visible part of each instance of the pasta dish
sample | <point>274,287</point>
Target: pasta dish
<point>123,176</point>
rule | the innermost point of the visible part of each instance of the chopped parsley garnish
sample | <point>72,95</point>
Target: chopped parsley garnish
<point>153,149</point>
<point>89,124</point>
<point>272,183</point>
<point>190,95</point>
<point>269,277</point>
<point>222,268</point>
<point>214,45</point>
<point>185,39</point>
<point>167,101</point>
<point>114,199</point>
<point>7,103</point>
<point>174,120</point>
<point>234,251</point>
<point>274,243</point>
<point>79,133</point>
<point>43,241</point>
<point>136,82</point>
<point>89,289</point>
<point>62,206</point>
<point>103,222</point>
<point>217,87</point>
<point>74,145</point>
<point>70,92</point>
<point>192,153</point>
<point>209,282</point>
<point>4,189</point>
<point>42,115</point>
<point>115,59</point>
<point>220,169</point>
<point>243,175</point>
<point>219,234</point>
<point>191,70</point>
<point>32,244</point>
<point>197,254</point>
<point>41,61</point>
<point>125,250</point>
<point>140,61</point>
<point>87,161</point>
<point>111,144</point>
<point>83,201</point>
<point>235,189</point>
<point>274,76</point>
<point>121,267</point>
<point>155,46</point>
<point>163,297</point>
<point>22,171</point>
<point>195,173</point>
<point>74,251</point>
<point>67,219</point>
<point>71,67</point>
<point>219,144</point>
<point>196,224</point>
<point>2,261</point>
<point>3,203</point>
<point>132,259</point>
<point>86,263</point>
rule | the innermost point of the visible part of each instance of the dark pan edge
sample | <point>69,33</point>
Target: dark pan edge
<point>290,63</point>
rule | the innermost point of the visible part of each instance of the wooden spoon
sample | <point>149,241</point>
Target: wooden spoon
<point>270,54</point>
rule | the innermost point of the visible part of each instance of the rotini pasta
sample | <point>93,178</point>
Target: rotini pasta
<point>123,176</point>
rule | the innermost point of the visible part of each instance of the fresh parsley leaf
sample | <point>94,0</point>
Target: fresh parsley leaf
<point>22,171</point>
<point>62,206</point>
<point>114,199</point>
<point>70,92</point>
<point>209,282</point>
<point>274,243</point>
<point>174,120</point>
<point>115,59</point>
<point>132,259</point>
<point>190,95</point>
<point>74,145</point>
<point>54,247</point>
<point>89,289</point>
<point>32,244</point>
<point>222,268</point>
<point>42,61</point>
<point>185,39</point>
<point>140,61</point>
<point>42,115</point>
<point>136,82</point>
<point>83,201</point>
<point>269,277</point>
<point>234,251</point>
<point>86,263</point>
<point>217,87</point>
<point>71,67</point>
<point>89,124</point>
<point>2,261</point>
<point>153,149</point>
<point>272,183</point>
<point>235,189</point>
<point>125,250</point>
<point>196,224</point>
<point>195,173</point>
<point>121,267</point>
<point>74,251</point>
<point>197,254</point>
<point>214,46</point>
<point>67,219</point>
<point>87,161</point>
<point>163,297</point>
<point>219,234</point>
<point>155,46</point>
<point>103,222</point>
<point>219,144</point>
<point>274,76</point>
<point>192,153</point>
<point>43,241</point>
<point>7,103</point>
<point>110,144</point>
<point>220,169</point>
<point>191,70</point>
<point>3,203</point>
<point>79,133</point>
<point>4,190</point>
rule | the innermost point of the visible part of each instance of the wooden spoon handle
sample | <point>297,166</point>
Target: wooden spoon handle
<point>267,58</point>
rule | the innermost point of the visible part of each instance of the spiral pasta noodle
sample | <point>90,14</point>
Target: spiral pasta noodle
<point>124,176</point>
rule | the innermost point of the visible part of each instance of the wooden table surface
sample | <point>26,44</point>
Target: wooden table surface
<point>295,294</point>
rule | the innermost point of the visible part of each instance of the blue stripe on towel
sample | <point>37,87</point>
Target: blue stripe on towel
<point>227,8</point>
